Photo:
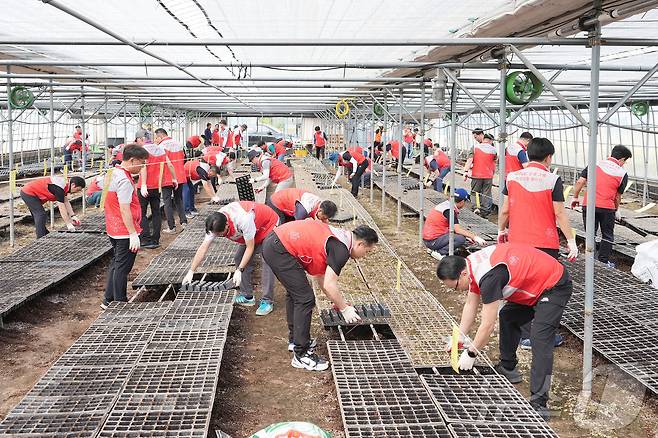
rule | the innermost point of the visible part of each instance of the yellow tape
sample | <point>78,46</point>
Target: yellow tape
<point>567,190</point>
<point>45,168</point>
<point>446,189</point>
<point>161,174</point>
<point>397,284</point>
<point>92,161</point>
<point>12,181</point>
<point>100,165</point>
<point>17,166</point>
<point>106,186</point>
<point>477,199</point>
<point>454,348</point>
<point>628,186</point>
<point>66,171</point>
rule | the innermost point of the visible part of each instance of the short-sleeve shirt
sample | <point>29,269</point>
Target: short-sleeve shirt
<point>493,283</point>
<point>245,225</point>
<point>622,186</point>
<point>337,255</point>
<point>557,194</point>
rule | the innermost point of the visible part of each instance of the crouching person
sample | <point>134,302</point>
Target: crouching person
<point>315,248</point>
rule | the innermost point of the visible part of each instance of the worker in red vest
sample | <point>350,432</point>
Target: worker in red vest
<point>95,190</point>
<point>157,176</point>
<point>279,150</point>
<point>216,138</point>
<point>296,204</point>
<point>534,195</point>
<point>534,286</point>
<point>198,171</point>
<point>123,216</point>
<point>238,133</point>
<point>276,176</point>
<point>436,229</point>
<point>193,142</point>
<point>319,141</point>
<point>354,160</point>
<point>408,139</point>
<point>393,147</point>
<point>246,223</point>
<point>173,195</point>
<point>482,164</point>
<point>437,164</point>
<point>223,133</point>
<point>54,189</point>
<point>312,247</point>
<point>611,182</point>
<point>516,155</point>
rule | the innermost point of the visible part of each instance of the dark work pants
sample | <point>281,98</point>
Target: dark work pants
<point>117,273</point>
<point>525,329</point>
<point>173,198</point>
<point>403,154</point>
<point>438,182</point>
<point>300,299</point>
<point>189,191</point>
<point>319,152</point>
<point>545,317</point>
<point>38,213</point>
<point>605,218</point>
<point>356,179</point>
<point>483,187</point>
<point>442,243</point>
<point>152,200</point>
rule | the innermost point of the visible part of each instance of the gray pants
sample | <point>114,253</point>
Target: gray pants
<point>545,317</point>
<point>38,213</point>
<point>483,187</point>
<point>442,243</point>
<point>266,276</point>
<point>277,187</point>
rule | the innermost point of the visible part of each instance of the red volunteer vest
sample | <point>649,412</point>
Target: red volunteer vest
<point>531,212</point>
<point>216,138</point>
<point>512,163</point>
<point>357,154</point>
<point>442,158</point>
<point>280,148</point>
<point>176,155</point>
<point>237,138</point>
<point>319,139</point>
<point>190,170</point>
<point>609,175</point>
<point>194,140</point>
<point>119,154</point>
<point>531,271</point>
<point>155,163</point>
<point>39,188</point>
<point>278,171</point>
<point>264,217</point>
<point>286,199</point>
<point>114,225</point>
<point>436,223</point>
<point>94,187</point>
<point>409,138</point>
<point>395,149</point>
<point>210,154</point>
<point>307,242</point>
<point>484,161</point>
<point>229,139</point>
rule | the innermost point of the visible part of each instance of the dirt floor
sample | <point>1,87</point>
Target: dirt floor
<point>626,408</point>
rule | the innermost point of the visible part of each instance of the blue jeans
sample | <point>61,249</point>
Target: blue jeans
<point>189,190</point>
<point>438,182</point>
<point>442,243</point>
<point>95,198</point>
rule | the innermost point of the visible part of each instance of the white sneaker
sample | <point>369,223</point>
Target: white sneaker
<point>195,213</point>
<point>314,343</point>
<point>436,255</point>
<point>428,251</point>
<point>189,215</point>
<point>309,361</point>
<point>169,230</point>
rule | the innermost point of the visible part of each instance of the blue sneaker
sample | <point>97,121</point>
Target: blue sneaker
<point>609,265</point>
<point>559,340</point>
<point>244,301</point>
<point>264,308</point>
<point>526,345</point>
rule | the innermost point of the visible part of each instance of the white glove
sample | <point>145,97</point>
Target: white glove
<point>215,199</point>
<point>502,236</point>
<point>351,175</point>
<point>70,227</point>
<point>237,277</point>
<point>617,215</point>
<point>75,221</point>
<point>480,241</point>
<point>464,342</point>
<point>134,242</point>
<point>466,362</point>
<point>252,181</point>
<point>144,191</point>
<point>573,250</point>
<point>188,277</point>
<point>350,315</point>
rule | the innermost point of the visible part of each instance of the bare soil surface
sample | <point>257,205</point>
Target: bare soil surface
<point>626,408</point>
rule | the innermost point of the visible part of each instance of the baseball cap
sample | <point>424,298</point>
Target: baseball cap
<point>143,133</point>
<point>477,131</point>
<point>461,195</point>
<point>253,154</point>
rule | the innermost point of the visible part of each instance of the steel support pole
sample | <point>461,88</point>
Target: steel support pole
<point>52,148</point>
<point>421,194</point>
<point>589,219</point>
<point>125,122</point>
<point>384,154</point>
<point>371,131</point>
<point>83,150</point>
<point>400,160</point>
<point>453,161</point>
<point>630,92</point>
<point>10,145</point>
<point>106,150</point>
<point>502,136</point>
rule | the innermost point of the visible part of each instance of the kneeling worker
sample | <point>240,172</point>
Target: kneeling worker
<point>436,229</point>
<point>297,204</point>
<point>54,189</point>
<point>536,288</point>
<point>309,246</point>
<point>247,223</point>
<point>198,171</point>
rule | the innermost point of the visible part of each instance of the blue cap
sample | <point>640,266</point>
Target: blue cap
<point>461,195</point>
